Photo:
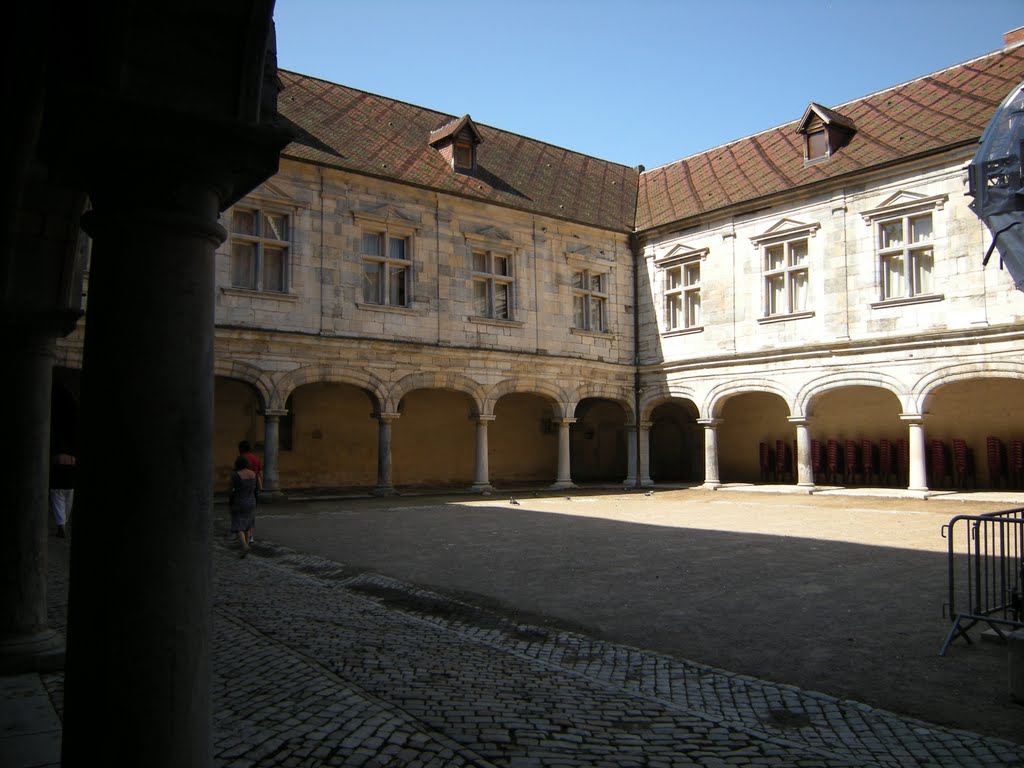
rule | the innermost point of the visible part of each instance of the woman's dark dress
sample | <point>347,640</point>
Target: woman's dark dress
<point>243,502</point>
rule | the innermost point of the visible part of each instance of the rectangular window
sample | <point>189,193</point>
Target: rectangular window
<point>387,266</point>
<point>682,296</point>
<point>590,300</point>
<point>906,256</point>
<point>260,247</point>
<point>786,272</point>
<point>492,285</point>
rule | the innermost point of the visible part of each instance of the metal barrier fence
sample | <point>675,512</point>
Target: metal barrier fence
<point>986,576</point>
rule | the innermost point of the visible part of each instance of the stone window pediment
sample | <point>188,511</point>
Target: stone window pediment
<point>386,214</point>
<point>680,254</point>
<point>785,229</point>
<point>903,202</point>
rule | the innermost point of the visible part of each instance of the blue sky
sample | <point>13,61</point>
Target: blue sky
<point>639,81</point>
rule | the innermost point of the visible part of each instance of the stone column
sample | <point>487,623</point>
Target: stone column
<point>139,613</point>
<point>384,484</point>
<point>481,479</point>
<point>272,452</point>
<point>711,481</point>
<point>918,469</point>
<point>564,479</point>
<point>26,641</point>
<point>631,456</point>
<point>645,454</point>
<point>804,471</point>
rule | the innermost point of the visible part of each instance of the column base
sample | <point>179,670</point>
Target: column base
<point>275,495</point>
<point>806,488</point>
<point>383,490</point>
<point>919,493</point>
<point>713,485</point>
<point>562,484</point>
<point>39,652</point>
<point>481,487</point>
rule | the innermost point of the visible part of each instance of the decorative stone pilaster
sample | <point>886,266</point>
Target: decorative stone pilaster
<point>481,477</point>
<point>711,481</point>
<point>918,469</point>
<point>564,477</point>
<point>272,452</point>
<point>384,487</point>
<point>804,470</point>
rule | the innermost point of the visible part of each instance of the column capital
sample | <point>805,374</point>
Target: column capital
<point>482,418</point>
<point>710,422</point>
<point>569,420</point>
<point>799,421</point>
<point>387,417</point>
<point>912,418</point>
<point>275,412</point>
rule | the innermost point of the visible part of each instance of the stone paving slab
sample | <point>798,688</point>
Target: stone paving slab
<point>361,669</point>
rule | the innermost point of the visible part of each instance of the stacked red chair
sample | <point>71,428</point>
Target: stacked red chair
<point>816,463</point>
<point>938,457</point>
<point>766,463</point>
<point>850,462</point>
<point>994,452</point>
<point>1016,464</point>
<point>903,462</point>
<point>867,460</point>
<point>781,461</point>
<point>962,472</point>
<point>884,461</point>
<point>832,461</point>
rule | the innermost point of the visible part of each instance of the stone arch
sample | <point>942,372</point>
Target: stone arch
<point>560,407</point>
<point>257,378</point>
<point>827,382</point>
<point>662,393</point>
<point>927,384</point>
<point>599,390</point>
<point>435,380</point>
<point>323,374</point>
<point>716,398</point>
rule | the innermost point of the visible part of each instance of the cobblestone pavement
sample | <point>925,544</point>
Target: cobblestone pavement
<point>358,669</point>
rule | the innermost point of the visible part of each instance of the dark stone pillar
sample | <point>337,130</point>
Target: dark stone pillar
<point>272,453</point>
<point>26,641</point>
<point>138,647</point>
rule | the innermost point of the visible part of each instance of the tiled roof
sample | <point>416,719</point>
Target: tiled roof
<point>353,130</point>
<point>345,128</point>
<point>939,111</point>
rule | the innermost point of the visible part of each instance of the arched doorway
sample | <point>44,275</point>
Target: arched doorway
<point>523,440</point>
<point>598,442</point>
<point>676,443</point>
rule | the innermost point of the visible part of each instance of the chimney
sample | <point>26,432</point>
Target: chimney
<point>1013,37</point>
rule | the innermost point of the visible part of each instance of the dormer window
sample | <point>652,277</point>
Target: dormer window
<point>457,143</point>
<point>825,132</point>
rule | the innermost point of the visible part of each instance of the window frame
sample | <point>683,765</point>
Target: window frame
<point>904,207</point>
<point>386,232</point>
<point>785,233</point>
<point>681,260</point>
<point>489,278</point>
<point>587,296</point>
<point>260,243</point>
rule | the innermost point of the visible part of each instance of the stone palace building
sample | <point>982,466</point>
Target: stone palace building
<point>417,299</point>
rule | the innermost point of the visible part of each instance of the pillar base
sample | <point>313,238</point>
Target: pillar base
<point>807,488</point>
<point>712,486</point>
<point>275,495</point>
<point>481,487</point>
<point>383,490</point>
<point>39,652</point>
<point>562,484</point>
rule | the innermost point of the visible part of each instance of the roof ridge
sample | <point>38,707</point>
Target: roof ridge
<point>837,107</point>
<point>457,117</point>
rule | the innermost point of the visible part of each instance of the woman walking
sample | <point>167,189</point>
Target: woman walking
<point>244,485</point>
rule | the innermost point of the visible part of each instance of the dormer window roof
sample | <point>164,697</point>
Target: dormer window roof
<point>825,132</point>
<point>457,142</point>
